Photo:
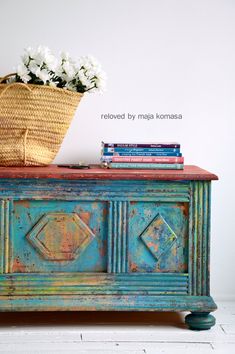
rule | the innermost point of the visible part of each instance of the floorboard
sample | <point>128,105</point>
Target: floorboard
<point>119,333</point>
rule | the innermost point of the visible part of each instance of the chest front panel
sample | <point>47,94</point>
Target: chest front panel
<point>158,233</point>
<point>59,236</point>
<point>104,237</point>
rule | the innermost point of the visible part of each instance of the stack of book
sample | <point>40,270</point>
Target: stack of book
<point>163,156</point>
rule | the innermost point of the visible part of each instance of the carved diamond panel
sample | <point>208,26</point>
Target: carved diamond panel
<point>158,237</point>
<point>60,236</point>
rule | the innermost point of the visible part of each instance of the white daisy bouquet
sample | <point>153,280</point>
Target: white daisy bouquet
<point>39,66</point>
<point>38,103</point>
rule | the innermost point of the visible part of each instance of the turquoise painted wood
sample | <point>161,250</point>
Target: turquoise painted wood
<point>106,244</point>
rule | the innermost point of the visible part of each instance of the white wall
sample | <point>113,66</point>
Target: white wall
<point>165,56</point>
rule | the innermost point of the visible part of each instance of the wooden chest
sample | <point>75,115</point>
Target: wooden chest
<point>98,239</point>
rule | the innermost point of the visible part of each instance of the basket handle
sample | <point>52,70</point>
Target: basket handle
<point>12,84</point>
<point>6,77</point>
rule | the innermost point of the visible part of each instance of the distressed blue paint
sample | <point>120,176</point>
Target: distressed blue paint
<point>115,271</point>
<point>2,235</point>
<point>158,237</point>
<point>118,237</point>
<point>99,190</point>
<point>142,214</point>
<point>199,238</point>
<point>90,283</point>
<point>26,214</point>
<point>108,303</point>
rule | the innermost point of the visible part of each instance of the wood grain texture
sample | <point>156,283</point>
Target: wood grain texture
<point>96,172</point>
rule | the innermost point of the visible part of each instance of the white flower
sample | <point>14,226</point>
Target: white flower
<point>70,87</point>
<point>100,81</point>
<point>23,73</point>
<point>40,63</point>
<point>11,79</point>
<point>53,83</point>
<point>69,70</point>
<point>59,71</point>
<point>89,62</point>
<point>65,57</point>
<point>90,73</point>
<point>101,75</point>
<point>33,67</point>
<point>101,85</point>
<point>51,63</point>
<point>43,75</point>
<point>84,80</point>
<point>25,59</point>
<point>43,56</point>
<point>30,52</point>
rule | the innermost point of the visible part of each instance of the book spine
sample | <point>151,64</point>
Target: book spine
<point>142,159</point>
<point>132,150</point>
<point>175,166</point>
<point>125,145</point>
<point>143,154</point>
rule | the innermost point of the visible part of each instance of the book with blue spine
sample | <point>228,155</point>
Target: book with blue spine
<point>139,150</point>
<point>142,154</point>
<point>159,166</point>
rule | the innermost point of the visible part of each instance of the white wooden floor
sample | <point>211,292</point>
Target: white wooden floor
<point>109,333</point>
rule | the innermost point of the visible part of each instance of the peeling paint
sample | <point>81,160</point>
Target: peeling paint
<point>40,239</point>
<point>18,266</point>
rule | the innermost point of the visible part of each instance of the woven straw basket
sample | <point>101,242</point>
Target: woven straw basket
<point>33,122</point>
